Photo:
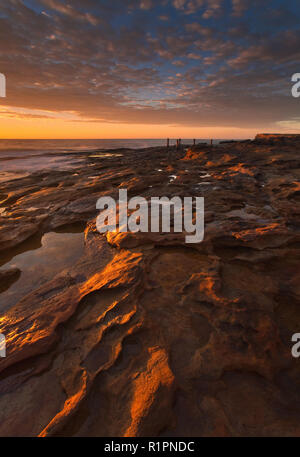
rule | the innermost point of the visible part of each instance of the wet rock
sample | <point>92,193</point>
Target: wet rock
<point>8,277</point>
<point>147,335</point>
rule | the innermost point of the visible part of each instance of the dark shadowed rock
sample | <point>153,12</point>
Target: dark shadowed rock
<point>146,335</point>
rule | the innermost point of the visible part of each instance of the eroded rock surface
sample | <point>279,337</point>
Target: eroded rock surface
<point>146,335</point>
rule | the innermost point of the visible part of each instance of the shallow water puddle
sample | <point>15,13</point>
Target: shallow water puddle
<point>106,155</point>
<point>22,167</point>
<point>10,176</point>
<point>172,178</point>
<point>41,262</point>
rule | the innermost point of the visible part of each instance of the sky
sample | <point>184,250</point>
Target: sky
<point>148,68</point>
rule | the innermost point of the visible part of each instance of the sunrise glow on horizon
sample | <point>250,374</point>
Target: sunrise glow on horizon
<point>21,123</point>
<point>60,129</point>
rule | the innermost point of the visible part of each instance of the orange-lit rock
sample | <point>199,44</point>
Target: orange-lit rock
<point>148,336</point>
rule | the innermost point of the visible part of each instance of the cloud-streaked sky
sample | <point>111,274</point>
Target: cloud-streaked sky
<point>148,68</point>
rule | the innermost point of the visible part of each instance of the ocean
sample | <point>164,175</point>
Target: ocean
<point>19,158</point>
<point>24,146</point>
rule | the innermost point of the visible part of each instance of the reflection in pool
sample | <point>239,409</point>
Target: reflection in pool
<point>39,265</point>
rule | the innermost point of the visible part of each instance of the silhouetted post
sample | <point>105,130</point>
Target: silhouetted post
<point>168,143</point>
<point>211,142</point>
<point>177,144</point>
<point>194,142</point>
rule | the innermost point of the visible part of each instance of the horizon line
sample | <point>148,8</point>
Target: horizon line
<point>122,139</point>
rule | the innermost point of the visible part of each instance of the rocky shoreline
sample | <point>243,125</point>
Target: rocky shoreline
<point>146,335</point>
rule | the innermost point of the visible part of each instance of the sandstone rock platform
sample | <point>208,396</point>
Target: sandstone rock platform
<point>146,335</point>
